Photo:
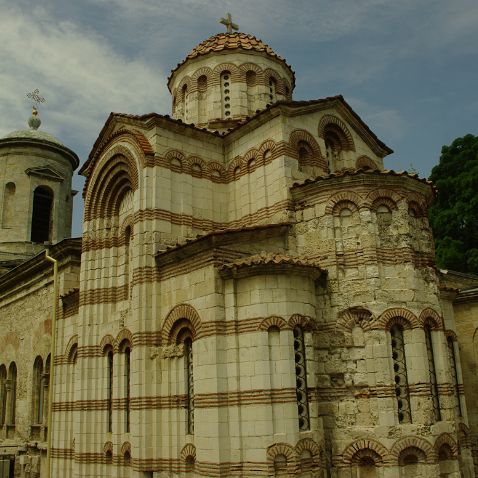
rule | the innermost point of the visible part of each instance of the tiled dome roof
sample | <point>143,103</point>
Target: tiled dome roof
<point>230,41</point>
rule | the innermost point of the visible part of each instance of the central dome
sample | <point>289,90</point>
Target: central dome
<point>227,78</point>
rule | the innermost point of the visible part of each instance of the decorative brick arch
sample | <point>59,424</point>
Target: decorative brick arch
<point>369,444</point>
<point>113,176</point>
<point>281,449</point>
<point>303,321</point>
<point>270,73</point>
<point>233,165</point>
<point>245,67</point>
<point>128,222</point>
<point>188,451</point>
<point>364,162</point>
<point>446,439</point>
<point>418,209</point>
<point>195,162</point>
<point>391,317</point>
<point>413,442</point>
<point>347,140</point>
<point>299,136</point>
<point>216,170</point>
<point>185,81</point>
<point>203,71</point>
<point>354,316</point>
<point>382,196</point>
<point>451,334</point>
<point>309,445</point>
<point>71,347</point>
<point>108,447</point>
<point>431,317</point>
<point>231,67</point>
<point>180,314</point>
<point>273,321</point>
<point>267,145</point>
<point>124,335</point>
<point>173,156</point>
<point>464,436</point>
<point>338,201</point>
<point>107,341</point>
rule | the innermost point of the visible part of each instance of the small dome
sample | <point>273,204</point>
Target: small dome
<point>33,134</point>
<point>230,41</point>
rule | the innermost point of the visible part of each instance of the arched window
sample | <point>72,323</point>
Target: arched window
<point>454,372</point>
<point>226,93</point>
<point>8,205</point>
<point>42,214</point>
<point>127,260</point>
<point>251,80</point>
<point>280,466</point>
<point>37,392</point>
<point>272,90</point>
<point>384,216</point>
<point>126,350</point>
<point>333,145</point>
<point>45,387</point>
<point>3,394</point>
<point>400,374</point>
<point>202,96</point>
<point>305,154</point>
<point>301,379</point>
<point>12,393</point>
<point>432,371</point>
<point>410,460</point>
<point>184,94</point>
<point>185,337</point>
<point>109,388</point>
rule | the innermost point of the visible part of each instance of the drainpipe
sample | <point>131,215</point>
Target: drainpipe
<point>52,360</point>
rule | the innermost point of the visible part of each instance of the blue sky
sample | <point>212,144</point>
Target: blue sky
<point>408,67</point>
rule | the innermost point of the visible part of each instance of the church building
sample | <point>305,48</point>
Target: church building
<point>253,295</point>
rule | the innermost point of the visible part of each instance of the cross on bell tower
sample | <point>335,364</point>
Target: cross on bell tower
<point>229,24</point>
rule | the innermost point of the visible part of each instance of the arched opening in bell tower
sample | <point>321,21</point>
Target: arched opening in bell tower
<point>42,214</point>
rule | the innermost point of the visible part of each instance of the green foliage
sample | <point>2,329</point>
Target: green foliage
<point>454,214</point>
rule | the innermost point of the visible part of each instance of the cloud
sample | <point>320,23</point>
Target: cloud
<point>80,73</point>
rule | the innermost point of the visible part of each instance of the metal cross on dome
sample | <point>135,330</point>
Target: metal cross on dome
<point>35,96</point>
<point>230,25</point>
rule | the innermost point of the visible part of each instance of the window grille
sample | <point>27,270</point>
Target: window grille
<point>110,390</point>
<point>433,376</point>
<point>188,355</point>
<point>452,358</point>
<point>400,374</point>
<point>301,379</point>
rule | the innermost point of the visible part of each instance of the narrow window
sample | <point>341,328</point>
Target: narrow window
<point>8,205</point>
<point>226,93</point>
<point>184,96</point>
<point>454,371</point>
<point>305,154</point>
<point>42,214</point>
<point>202,95</point>
<point>45,387</point>
<point>301,379</point>
<point>188,354</point>
<point>272,90</point>
<point>12,389</point>
<point>251,80</point>
<point>109,391</point>
<point>37,392</point>
<point>433,376</point>
<point>400,374</point>
<point>127,392</point>
<point>127,260</point>
<point>3,394</point>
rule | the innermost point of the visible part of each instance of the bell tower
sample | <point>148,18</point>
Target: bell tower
<point>36,199</point>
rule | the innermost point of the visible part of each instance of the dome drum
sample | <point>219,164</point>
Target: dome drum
<point>222,83</point>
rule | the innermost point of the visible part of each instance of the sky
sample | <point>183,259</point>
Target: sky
<point>409,68</point>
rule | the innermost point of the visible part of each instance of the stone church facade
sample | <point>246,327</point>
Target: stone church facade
<point>253,295</point>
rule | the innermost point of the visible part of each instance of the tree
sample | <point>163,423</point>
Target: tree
<point>454,214</point>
